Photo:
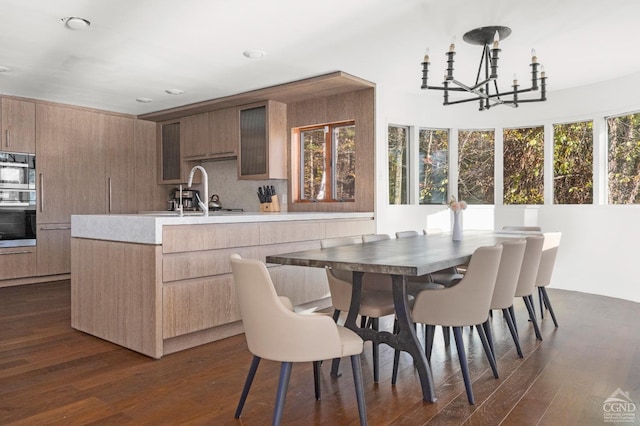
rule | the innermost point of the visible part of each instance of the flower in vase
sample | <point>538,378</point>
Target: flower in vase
<point>455,205</point>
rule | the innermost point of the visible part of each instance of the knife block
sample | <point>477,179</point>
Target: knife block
<point>273,206</point>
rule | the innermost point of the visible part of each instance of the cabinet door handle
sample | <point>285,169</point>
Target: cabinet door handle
<point>109,194</point>
<point>55,228</point>
<point>6,137</point>
<point>15,252</point>
<point>41,192</point>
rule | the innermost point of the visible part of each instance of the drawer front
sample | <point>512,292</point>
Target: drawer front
<point>17,262</point>
<point>300,284</point>
<point>286,232</point>
<point>198,304</point>
<point>183,266</point>
<point>348,228</point>
<point>185,238</point>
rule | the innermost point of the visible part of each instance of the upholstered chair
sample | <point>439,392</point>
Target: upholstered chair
<point>545,270</point>
<point>426,282</point>
<point>505,289</point>
<point>274,332</point>
<point>376,299</point>
<point>527,279</point>
<point>465,304</point>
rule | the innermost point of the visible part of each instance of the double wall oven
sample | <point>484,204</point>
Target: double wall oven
<point>17,199</point>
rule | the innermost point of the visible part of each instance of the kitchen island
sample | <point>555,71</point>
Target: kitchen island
<point>158,283</point>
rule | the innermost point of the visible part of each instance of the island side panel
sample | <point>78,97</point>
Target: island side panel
<point>116,293</point>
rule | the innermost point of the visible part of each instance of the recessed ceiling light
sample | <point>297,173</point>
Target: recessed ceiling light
<point>4,69</point>
<point>75,23</point>
<point>254,54</point>
<point>144,100</point>
<point>174,91</point>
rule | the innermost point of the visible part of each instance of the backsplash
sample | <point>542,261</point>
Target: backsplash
<point>234,193</point>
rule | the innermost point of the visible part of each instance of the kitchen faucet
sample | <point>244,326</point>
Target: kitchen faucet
<point>205,177</point>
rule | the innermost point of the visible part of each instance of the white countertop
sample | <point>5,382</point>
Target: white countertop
<point>147,228</point>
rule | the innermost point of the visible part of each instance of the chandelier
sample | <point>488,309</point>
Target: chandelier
<point>485,89</point>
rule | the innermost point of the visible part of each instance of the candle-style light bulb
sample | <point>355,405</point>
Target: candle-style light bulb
<point>426,55</point>
<point>452,46</point>
<point>542,73</point>
<point>534,58</point>
<point>515,79</point>
<point>496,40</point>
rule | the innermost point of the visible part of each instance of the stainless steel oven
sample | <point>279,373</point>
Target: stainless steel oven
<point>17,199</point>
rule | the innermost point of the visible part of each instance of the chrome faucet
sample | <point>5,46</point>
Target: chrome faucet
<point>205,177</point>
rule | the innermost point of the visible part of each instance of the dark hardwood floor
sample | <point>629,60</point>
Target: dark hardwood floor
<point>52,374</point>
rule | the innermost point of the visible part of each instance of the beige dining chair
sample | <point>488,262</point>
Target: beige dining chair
<point>545,271</point>
<point>446,277</point>
<point>274,332</point>
<point>505,289</point>
<point>465,304</point>
<point>527,279</point>
<point>425,282</point>
<point>376,297</point>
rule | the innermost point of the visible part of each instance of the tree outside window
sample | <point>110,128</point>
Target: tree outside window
<point>523,173</point>
<point>573,163</point>
<point>433,173</point>
<point>624,159</point>
<point>398,142</point>
<point>476,166</point>
<point>328,162</point>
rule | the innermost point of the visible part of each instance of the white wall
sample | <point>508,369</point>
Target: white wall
<point>599,242</point>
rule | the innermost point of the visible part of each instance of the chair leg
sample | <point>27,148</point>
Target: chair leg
<point>285,374</point>
<point>363,322</point>
<point>489,333</point>
<point>547,302</point>
<point>336,315</point>
<point>447,336</point>
<point>357,381</point>
<point>376,352</point>
<point>541,303</point>
<point>512,314</point>
<point>396,357</point>
<point>316,379</point>
<point>512,329</point>
<point>247,385</point>
<point>462,357</point>
<point>429,332</point>
<point>532,316</point>
<point>487,349</point>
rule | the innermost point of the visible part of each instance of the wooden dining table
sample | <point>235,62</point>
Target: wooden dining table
<point>400,258</point>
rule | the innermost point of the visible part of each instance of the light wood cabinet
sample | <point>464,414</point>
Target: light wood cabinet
<point>149,195</point>
<point>54,249</point>
<point>263,141</point>
<point>118,137</point>
<point>18,125</point>
<point>17,262</point>
<point>211,135</point>
<point>225,133</point>
<point>70,163</point>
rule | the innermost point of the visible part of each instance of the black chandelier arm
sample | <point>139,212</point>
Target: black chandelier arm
<point>449,89</point>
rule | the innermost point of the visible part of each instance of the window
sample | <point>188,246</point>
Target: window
<point>328,162</point>
<point>523,173</point>
<point>398,140</point>
<point>573,163</point>
<point>433,173</point>
<point>475,166</point>
<point>624,159</point>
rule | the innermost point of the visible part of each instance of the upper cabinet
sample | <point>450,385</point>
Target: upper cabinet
<point>209,135</point>
<point>18,125</point>
<point>171,169</point>
<point>263,141</point>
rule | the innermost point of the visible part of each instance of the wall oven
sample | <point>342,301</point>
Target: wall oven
<point>17,199</point>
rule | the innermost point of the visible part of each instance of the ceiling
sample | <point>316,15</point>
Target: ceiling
<point>141,48</point>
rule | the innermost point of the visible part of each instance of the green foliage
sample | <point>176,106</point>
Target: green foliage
<point>476,166</point>
<point>523,159</point>
<point>573,163</point>
<point>624,159</point>
<point>398,138</point>
<point>433,173</point>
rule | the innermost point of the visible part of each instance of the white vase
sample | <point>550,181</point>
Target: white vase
<point>456,233</point>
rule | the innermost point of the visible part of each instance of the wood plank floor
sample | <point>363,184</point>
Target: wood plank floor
<point>52,374</point>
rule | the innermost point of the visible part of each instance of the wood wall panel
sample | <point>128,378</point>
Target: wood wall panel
<point>359,106</point>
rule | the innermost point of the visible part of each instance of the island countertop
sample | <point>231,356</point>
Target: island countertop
<point>147,228</point>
